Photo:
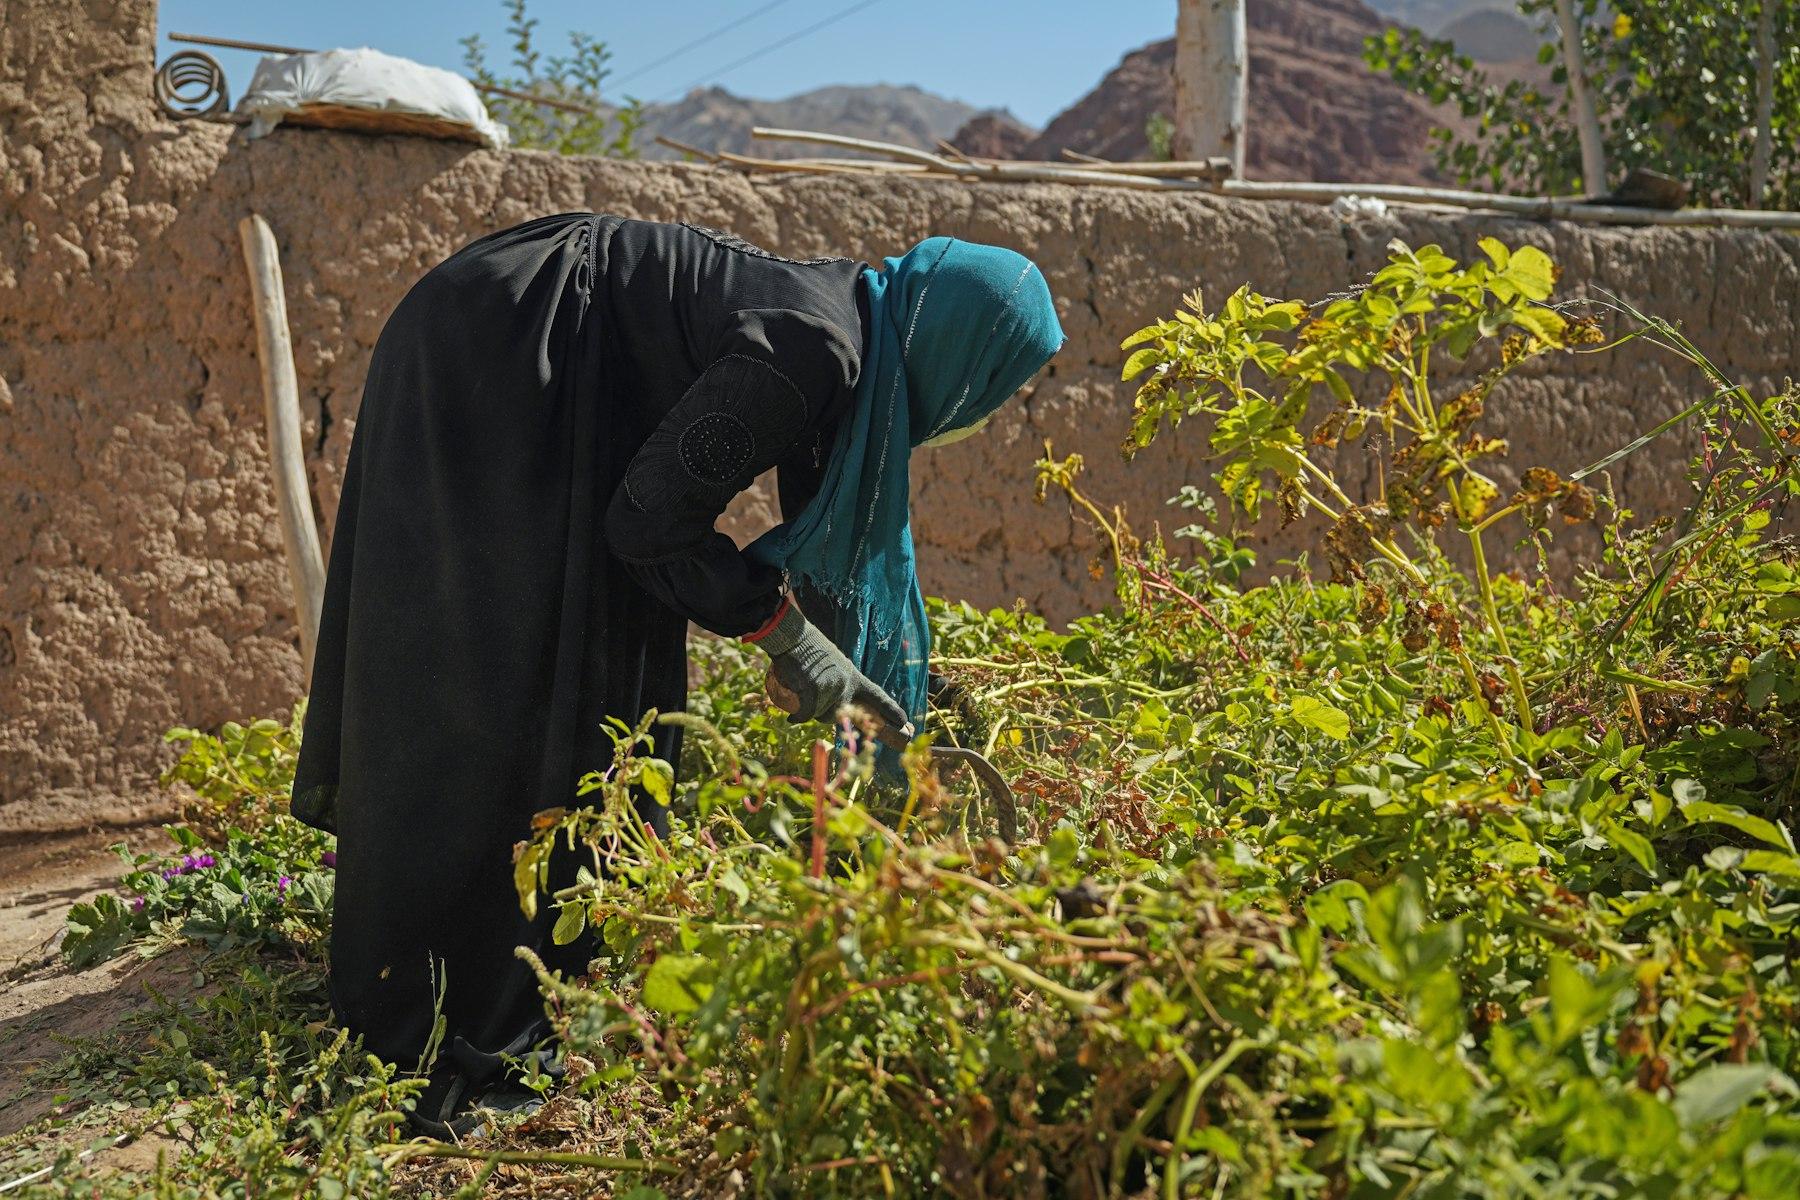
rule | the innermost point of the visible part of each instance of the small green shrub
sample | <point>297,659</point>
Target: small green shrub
<point>240,776</point>
<point>243,871</point>
<point>596,127</point>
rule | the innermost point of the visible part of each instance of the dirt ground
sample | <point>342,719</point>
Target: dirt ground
<point>42,1003</point>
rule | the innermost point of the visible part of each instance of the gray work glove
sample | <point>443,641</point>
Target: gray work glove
<point>812,680</point>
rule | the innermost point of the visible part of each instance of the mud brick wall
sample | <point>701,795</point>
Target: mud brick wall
<point>141,575</point>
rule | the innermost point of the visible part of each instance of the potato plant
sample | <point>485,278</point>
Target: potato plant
<point>1419,882</point>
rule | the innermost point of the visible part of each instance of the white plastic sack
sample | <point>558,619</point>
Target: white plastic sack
<point>1347,208</point>
<point>368,79</point>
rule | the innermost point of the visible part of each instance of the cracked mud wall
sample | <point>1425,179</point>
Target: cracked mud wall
<point>141,578</point>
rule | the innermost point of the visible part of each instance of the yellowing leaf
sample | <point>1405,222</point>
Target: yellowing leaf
<point>1144,334</point>
<point>658,779</point>
<point>1545,324</point>
<point>1518,854</point>
<point>525,875</point>
<point>1283,316</point>
<point>1532,272</point>
<point>1478,495</point>
<point>1328,719</point>
<point>1774,862</point>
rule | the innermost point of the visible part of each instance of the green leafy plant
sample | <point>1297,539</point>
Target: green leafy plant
<point>272,889</point>
<point>1675,89</point>
<point>243,871</point>
<point>1296,910</point>
<point>246,1088</point>
<point>593,126</point>
<point>1159,131</point>
<point>238,777</point>
<point>1258,367</point>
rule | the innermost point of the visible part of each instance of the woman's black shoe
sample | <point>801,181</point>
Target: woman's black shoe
<point>469,1079</point>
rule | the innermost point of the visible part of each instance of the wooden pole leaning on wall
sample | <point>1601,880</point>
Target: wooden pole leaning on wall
<point>281,407</point>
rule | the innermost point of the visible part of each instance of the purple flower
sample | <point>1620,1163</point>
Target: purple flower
<point>281,885</point>
<point>190,862</point>
<point>137,904</point>
<point>329,858</point>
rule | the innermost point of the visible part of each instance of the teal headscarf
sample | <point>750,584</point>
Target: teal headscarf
<point>955,328</point>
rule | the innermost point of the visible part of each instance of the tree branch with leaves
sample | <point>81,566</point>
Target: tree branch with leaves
<point>577,78</point>
<point>1691,88</point>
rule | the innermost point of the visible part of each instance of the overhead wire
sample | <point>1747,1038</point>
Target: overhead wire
<point>789,40</point>
<point>700,41</point>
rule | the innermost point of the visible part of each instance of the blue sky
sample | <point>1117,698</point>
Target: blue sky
<point>1032,56</point>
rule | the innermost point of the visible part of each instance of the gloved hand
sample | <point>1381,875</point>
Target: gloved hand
<point>815,675</point>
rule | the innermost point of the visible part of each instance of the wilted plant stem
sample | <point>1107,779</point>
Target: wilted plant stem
<point>1107,527</point>
<point>1201,1080</point>
<point>1474,681</point>
<point>1390,553</point>
<point>1146,1113</point>
<point>1084,1003</point>
<point>1521,697</point>
<point>821,754</point>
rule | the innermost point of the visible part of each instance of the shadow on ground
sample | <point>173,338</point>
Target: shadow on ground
<point>43,1004</point>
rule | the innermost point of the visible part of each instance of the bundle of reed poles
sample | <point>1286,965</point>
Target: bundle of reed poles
<point>1207,175</point>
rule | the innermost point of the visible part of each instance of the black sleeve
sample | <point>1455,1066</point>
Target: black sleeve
<point>800,474</point>
<point>738,419</point>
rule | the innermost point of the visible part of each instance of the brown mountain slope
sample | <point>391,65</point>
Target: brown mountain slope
<point>1429,15</point>
<point>993,134</point>
<point>715,119</point>
<point>1316,110</point>
<point>1493,35</point>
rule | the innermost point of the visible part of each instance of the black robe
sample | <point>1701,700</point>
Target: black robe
<point>553,420</point>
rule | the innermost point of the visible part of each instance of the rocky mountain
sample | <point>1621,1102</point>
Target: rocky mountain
<point>1430,16</point>
<point>1316,110</point>
<point>1493,35</point>
<point>994,134</point>
<point>715,119</point>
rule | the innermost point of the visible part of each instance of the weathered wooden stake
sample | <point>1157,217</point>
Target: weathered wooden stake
<point>281,406</point>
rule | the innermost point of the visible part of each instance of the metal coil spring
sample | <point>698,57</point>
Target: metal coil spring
<point>191,84</point>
